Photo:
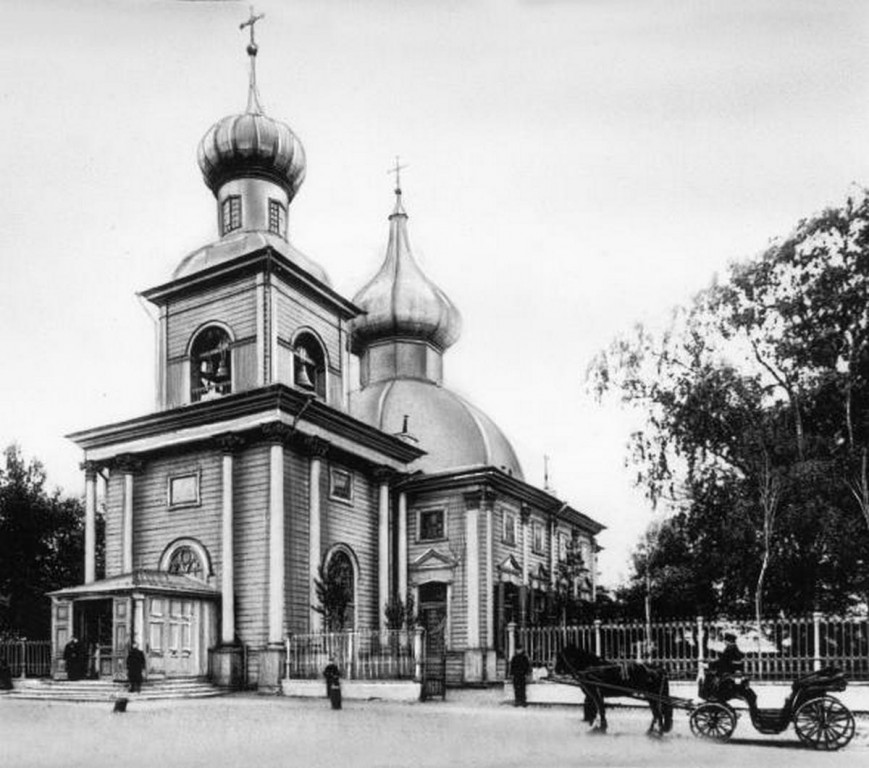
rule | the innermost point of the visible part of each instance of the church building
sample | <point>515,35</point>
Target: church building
<point>264,466</point>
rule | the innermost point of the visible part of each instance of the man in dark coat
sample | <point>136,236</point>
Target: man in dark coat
<point>727,667</point>
<point>135,665</point>
<point>519,669</point>
<point>74,656</point>
<point>333,683</point>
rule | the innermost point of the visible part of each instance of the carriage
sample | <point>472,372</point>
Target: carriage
<point>820,720</point>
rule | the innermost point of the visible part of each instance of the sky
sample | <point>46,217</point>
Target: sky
<point>574,167</point>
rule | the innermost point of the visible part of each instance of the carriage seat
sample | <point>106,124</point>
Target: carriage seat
<point>826,679</point>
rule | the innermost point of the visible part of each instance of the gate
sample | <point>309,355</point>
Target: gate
<point>433,617</point>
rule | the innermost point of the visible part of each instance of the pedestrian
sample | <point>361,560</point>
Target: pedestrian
<point>519,669</point>
<point>74,656</point>
<point>135,665</point>
<point>5,676</point>
<point>333,683</point>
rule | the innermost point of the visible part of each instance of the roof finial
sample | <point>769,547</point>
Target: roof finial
<point>253,103</point>
<point>396,169</point>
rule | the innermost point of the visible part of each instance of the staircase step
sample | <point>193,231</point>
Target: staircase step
<point>108,690</point>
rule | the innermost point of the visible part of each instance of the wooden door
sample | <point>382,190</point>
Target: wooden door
<point>180,653</point>
<point>433,617</point>
<point>61,632</point>
<point>121,609</point>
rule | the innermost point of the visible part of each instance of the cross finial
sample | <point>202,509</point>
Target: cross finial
<point>396,169</point>
<point>253,104</point>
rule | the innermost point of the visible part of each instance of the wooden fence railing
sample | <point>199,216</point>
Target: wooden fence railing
<point>27,658</point>
<point>784,649</point>
<point>360,654</point>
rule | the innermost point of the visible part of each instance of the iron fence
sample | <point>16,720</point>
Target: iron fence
<point>783,649</point>
<point>27,658</point>
<point>360,654</point>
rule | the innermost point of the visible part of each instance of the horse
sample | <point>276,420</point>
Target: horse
<point>600,678</point>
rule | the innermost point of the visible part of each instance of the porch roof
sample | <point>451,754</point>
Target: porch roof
<point>143,580</point>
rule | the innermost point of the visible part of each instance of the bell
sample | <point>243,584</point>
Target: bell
<point>205,367</point>
<point>303,379</point>
<point>221,370</point>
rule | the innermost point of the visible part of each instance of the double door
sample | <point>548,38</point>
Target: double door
<point>173,634</point>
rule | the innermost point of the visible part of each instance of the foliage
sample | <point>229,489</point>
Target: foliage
<point>567,605</point>
<point>756,428</point>
<point>41,545</point>
<point>333,595</point>
<point>400,614</point>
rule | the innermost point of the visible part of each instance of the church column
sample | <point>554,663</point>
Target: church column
<point>382,475</point>
<point>525,589</point>
<point>318,449</point>
<point>276,434</point>
<point>472,542</point>
<point>553,553</point>
<point>90,522</point>
<point>228,445</point>
<point>128,465</point>
<point>490,570</point>
<point>402,545</point>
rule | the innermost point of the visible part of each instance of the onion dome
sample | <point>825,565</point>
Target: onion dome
<point>252,143</point>
<point>400,301</point>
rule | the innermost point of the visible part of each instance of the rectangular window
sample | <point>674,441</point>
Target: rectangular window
<point>183,490</point>
<point>538,543</point>
<point>431,524</point>
<point>230,214</point>
<point>509,535</point>
<point>277,218</point>
<point>562,547</point>
<point>341,484</point>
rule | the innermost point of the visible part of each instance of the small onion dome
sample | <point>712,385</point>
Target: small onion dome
<point>400,301</point>
<point>252,144</point>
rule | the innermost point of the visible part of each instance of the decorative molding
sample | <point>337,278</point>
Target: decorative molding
<point>525,514</point>
<point>128,463</point>
<point>277,432</point>
<point>480,499</point>
<point>230,442</point>
<point>317,447</point>
<point>91,468</point>
<point>383,474</point>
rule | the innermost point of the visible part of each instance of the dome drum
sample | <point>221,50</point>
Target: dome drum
<point>262,205</point>
<point>406,357</point>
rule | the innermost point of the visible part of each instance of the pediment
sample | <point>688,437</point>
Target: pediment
<point>432,559</point>
<point>510,565</point>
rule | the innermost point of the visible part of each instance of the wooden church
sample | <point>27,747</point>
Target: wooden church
<point>264,462</point>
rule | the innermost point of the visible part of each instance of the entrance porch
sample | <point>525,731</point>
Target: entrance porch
<point>171,617</point>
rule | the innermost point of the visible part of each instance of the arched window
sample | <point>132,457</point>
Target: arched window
<point>339,592</point>
<point>185,561</point>
<point>210,364</point>
<point>309,365</point>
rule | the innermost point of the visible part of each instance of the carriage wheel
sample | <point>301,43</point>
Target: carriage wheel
<point>824,723</point>
<point>713,721</point>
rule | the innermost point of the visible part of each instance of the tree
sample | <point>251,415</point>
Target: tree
<point>756,409</point>
<point>41,545</point>
<point>333,595</point>
<point>571,576</point>
<point>400,614</point>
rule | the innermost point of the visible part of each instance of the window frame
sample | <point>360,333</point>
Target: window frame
<point>335,471</point>
<point>508,534</point>
<point>195,475</point>
<point>280,213</point>
<point>425,511</point>
<point>536,526</point>
<point>230,214</point>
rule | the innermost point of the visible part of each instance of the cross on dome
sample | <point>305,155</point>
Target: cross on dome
<point>253,102</point>
<point>396,169</point>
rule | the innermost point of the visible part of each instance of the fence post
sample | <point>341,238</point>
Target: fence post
<point>417,654</point>
<point>23,660</point>
<point>511,640</point>
<point>597,638</point>
<point>287,659</point>
<point>700,656</point>
<point>816,636</point>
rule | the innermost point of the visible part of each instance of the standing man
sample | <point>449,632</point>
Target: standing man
<point>135,665</point>
<point>333,683</point>
<point>519,669</point>
<point>73,655</point>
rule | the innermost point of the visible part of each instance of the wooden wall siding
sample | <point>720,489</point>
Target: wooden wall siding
<point>296,310</point>
<point>233,304</point>
<point>356,526</point>
<point>114,519</point>
<point>454,548</point>
<point>296,517</point>
<point>244,359</point>
<point>155,525</point>
<point>177,384</point>
<point>250,528</point>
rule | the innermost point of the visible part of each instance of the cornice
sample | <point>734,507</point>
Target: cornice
<point>263,259</point>
<point>257,407</point>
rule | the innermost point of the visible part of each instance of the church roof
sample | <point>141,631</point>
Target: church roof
<point>143,580</point>
<point>451,431</point>
<point>400,301</point>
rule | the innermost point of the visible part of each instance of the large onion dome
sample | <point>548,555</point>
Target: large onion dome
<point>400,301</point>
<point>252,144</point>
